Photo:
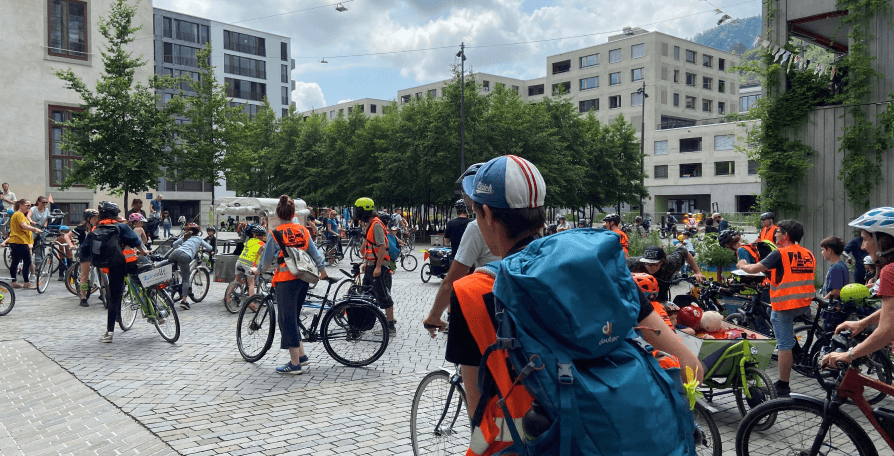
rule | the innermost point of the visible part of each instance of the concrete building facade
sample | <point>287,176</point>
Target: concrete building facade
<point>372,107</point>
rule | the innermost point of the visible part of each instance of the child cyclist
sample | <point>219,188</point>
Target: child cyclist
<point>247,263</point>
<point>65,242</point>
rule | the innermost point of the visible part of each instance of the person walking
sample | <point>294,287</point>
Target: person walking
<point>19,242</point>
<point>290,290</point>
<point>185,250</point>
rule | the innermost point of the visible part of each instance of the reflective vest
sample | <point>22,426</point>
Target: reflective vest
<point>249,255</point>
<point>795,287</point>
<point>293,235</point>
<point>767,234</point>
<point>130,255</point>
<point>370,249</point>
<point>755,253</point>
<point>492,434</point>
<point>624,240</point>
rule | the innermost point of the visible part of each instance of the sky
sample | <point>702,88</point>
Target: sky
<point>395,30</point>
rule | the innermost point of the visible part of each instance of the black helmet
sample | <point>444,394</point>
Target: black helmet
<point>258,230</point>
<point>90,213</point>
<point>108,209</point>
<point>560,218</point>
<point>470,171</point>
<point>460,206</point>
<point>726,236</point>
<point>583,222</point>
<point>768,215</point>
<point>211,228</point>
<point>615,218</point>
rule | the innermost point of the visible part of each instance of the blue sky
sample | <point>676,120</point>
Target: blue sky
<point>383,27</point>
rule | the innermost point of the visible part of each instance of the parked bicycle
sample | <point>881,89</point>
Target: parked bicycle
<point>145,291</point>
<point>7,298</point>
<point>407,260</point>
<point>354,240</point>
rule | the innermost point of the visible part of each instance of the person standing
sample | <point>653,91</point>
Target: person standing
<point>456,227</point>
<point>854,248</point>
<point>791,291</point>
<point>91,219</point>
<point>19,242</point>
<point>562,224</point>
<point>376,270</point>
<point>290,290</point>
<point>768,227</point>
<point>720,222</point>
<point>155,213</point>
<point>136,207</point>
<point>838,274</point>
<point>7,197</point>
<point>332,231</point>
<point>166,224</point>
<point>40,218</point>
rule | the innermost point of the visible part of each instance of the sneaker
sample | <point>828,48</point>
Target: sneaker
<point>106,338</point>
<point>782,391</point>
<point>391,328</point>
<point>60,279</point>
<point>184,305</point>
<point>288,368</point>
<point>303,360</point>
<point>84,303</point>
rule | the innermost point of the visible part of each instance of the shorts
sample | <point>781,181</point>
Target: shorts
<point>242,268</point>
<point>784,326</point>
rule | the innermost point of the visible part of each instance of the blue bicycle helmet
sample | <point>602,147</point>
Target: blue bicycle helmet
<point>64,228</point>
<point>9,212</point>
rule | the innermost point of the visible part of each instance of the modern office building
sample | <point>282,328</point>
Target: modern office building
<point>50,36</point>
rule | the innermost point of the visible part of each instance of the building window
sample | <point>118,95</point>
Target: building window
<point>372,109</point>
<point>362,108</point>
<point>721,86</point>
<point>724,142</point>
<point>707,105</point>
<point>691,145</point>
<point>247,90</point>
<point>535,90</point>
<point>614,78</point>
<point>186,31</point>
<point>660,171</point>
<point>562,87</point>
<point>434,92</point>
<point>166,97</point>
<point>418,95</point>
<point>614,102</point>
<point>753,167</point>
<point>68,29</point>
<point>75,212</point>
<point>589,83</point>
<point>244,66</point>
<point>485,86</point>
<point>725,168</point>
<point>691,79</point>
<point>690,170</point>
<point>664,97</point>
<point>637,74</point>
<point>350,108</point>
<point>664,73</point>
<point>690,56</point>
<point>203,34</point>
<point>248,44</point>
<point>61,161</point>
<point>676,52</point>
<point>690,102</point>
<point>285,95</point>
<point>707,83</point>
<point>721,108</point>
<point>707,61</point>
<point>660,147</point>
<point>587,105</point>
<point>341,111</point>
<point>664,49</point>
<point>590,60</point>
<point>284,74</point>
<point>180,55</point>
<point>721,64</point>
<point>677,100</point>
<point>614,56</point>
<point>404,99</point>
<point>332,114</point>
<point>636,99</point>
<point>747,102</point>
<point>562,67</point>
<point>515,89</point>
<point>284,51</point>
<point>677,76</point>
<point>638,51</point>
<point>285,112</point>
<point>166,27</point>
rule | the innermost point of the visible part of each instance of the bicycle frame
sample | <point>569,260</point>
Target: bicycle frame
<point>742,351</point>
<point>455,380</point>
<point>851,387</point>
<point>138,294</point>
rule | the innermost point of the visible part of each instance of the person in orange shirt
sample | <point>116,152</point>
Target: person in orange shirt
<point>612,222</point>
<point>768,227</point>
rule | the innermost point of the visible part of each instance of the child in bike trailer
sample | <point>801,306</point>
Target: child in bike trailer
<point>247,263</point>
<point>65,243</point>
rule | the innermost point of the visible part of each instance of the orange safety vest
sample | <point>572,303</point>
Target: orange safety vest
<point>624,240</point>
<point>492,434</point>
<point>795,288</point>
<point>370,249</point>
<point>659,309</point>
<point>767,234</point>
<point>293,235</point>
<point>130,255</point>
<point>752,250</point>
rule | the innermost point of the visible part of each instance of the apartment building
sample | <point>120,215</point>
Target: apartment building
<point>372,107</point>
<point>436,89</point>
<point>50,36</point>
<point>253,65</point>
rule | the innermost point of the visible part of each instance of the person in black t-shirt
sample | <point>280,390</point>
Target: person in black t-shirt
<point>456,227</point>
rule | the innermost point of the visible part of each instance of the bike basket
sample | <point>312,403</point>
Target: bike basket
<point>156,276</point>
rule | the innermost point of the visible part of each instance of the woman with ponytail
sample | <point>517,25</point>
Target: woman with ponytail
<point>185,249</point>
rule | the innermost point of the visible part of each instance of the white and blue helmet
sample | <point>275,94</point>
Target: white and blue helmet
<point>878,220</point>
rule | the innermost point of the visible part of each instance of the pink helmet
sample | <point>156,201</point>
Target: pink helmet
<point>136,217</point>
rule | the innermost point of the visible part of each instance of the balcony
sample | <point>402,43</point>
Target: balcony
<point>186,61</point>
<point>186,36</point>
<point>669,123</point>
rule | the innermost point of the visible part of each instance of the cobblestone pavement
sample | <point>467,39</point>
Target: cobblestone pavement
<point>201,398</point>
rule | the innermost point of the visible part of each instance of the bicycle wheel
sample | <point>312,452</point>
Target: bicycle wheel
<point>408,262</point>
<point>354,253</point>
<point>706,433</point>
<point>235,295</point>
<point>103,288</point>
<point>128,313</point>
<point>425,273</point>
<point>7,257</point>
<point>199,284</point>
<point>73,279</point>
<point>44,274</point>
<point>7,298</point>
<point>355,332</point>
<point>877,366</point>
<point>332,255</point>
<point>254,330</point>
<point>796,429</point>
<point>167,324</point>
<point>803,361</point>
<point>438,425</point>
<point>343,289</point>
<point>761,390</point>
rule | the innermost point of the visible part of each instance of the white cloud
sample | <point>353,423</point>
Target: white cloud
<point>307,96</point>
<point>344,101</point>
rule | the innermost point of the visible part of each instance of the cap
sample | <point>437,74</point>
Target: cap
<point>507,182</point>
<point>716,214</point>
<point>867,260</point>
<point>653,254</point>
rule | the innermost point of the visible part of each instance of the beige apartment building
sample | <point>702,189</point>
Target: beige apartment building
<point>52,35</point>
<point>372,107</point>
<point>436,89</point>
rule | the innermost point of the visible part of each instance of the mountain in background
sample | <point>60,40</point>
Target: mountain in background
<point>727,36</point>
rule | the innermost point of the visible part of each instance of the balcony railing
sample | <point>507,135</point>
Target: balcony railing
<point>671,124</point>
<point>246,95</point>
<point>186,36</point>
<point>186,61</point>
<point>255,50</point>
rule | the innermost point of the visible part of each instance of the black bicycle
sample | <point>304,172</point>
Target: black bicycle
<point>354,330</point>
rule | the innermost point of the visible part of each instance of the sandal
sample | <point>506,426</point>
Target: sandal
<point>28,286</point>
<point>15,285</point>
<point>253,307</point>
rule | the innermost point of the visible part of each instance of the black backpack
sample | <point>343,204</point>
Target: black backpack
<point>106,250</point>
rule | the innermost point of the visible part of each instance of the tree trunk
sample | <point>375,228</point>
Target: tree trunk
<point>211,212</point>
<point>126,195</point>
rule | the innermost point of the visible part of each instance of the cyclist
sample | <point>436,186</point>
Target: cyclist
<point>612,222</point>
<point>108,215</point>
<point>376,265</point>
<point>656,262</point>
<point>456,227</point>
<point>211,231</point>
<point>562,224</point>
<point>135,222</point>
<point>791,291</point>
<point>750,253</point>
<point>91,219</point>
<point>185,250</point>
<point>65,242</point>
<point>671,224</point>
<point>877,230</point>
<point>290,290</point>
<point>584,223</point>
<point>768,227</point>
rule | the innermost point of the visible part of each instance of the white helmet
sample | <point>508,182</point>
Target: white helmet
<point>878,220</point>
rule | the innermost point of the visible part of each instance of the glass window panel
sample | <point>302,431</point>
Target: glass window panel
<point>638,51</point>
<point>660,147</point>
<point>724,142</point>
<point>614,56</point>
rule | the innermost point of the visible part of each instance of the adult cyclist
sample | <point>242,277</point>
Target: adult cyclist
<point>751,253</point>
<point>612,222</point>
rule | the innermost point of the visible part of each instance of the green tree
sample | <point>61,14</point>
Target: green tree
<point>123,136</point>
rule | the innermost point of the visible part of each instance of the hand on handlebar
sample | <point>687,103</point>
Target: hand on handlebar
<point>699,277</point>
<point>855,327</point>
<point>835,360</point>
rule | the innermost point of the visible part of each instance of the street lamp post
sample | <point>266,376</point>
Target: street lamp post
<point>642,145</point>
<point>462,108</point>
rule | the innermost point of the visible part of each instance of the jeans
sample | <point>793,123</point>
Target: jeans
<point>167,230</point>
<point>183,260</point>
<point>20,253</point>
<point>784,326</point>
<point>290,296</point>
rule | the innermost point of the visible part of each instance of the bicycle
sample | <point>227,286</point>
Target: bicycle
<point>146,292</point>
<point>199,279</point>
<point>810,426</point>
<point>72,279</point>
<point>407,260</point>
<point>237,291</point>
<point>7,298</point>
<point>353,247</point>
<point>353,325</point>
<point>49,262</point>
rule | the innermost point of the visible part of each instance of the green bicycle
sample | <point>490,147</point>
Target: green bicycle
<point>146,292</point>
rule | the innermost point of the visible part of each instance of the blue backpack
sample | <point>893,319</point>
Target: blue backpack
<point>393,249</point>
<point>569,300</point>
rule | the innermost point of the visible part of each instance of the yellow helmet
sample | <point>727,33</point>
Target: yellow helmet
<point>366,204</point>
